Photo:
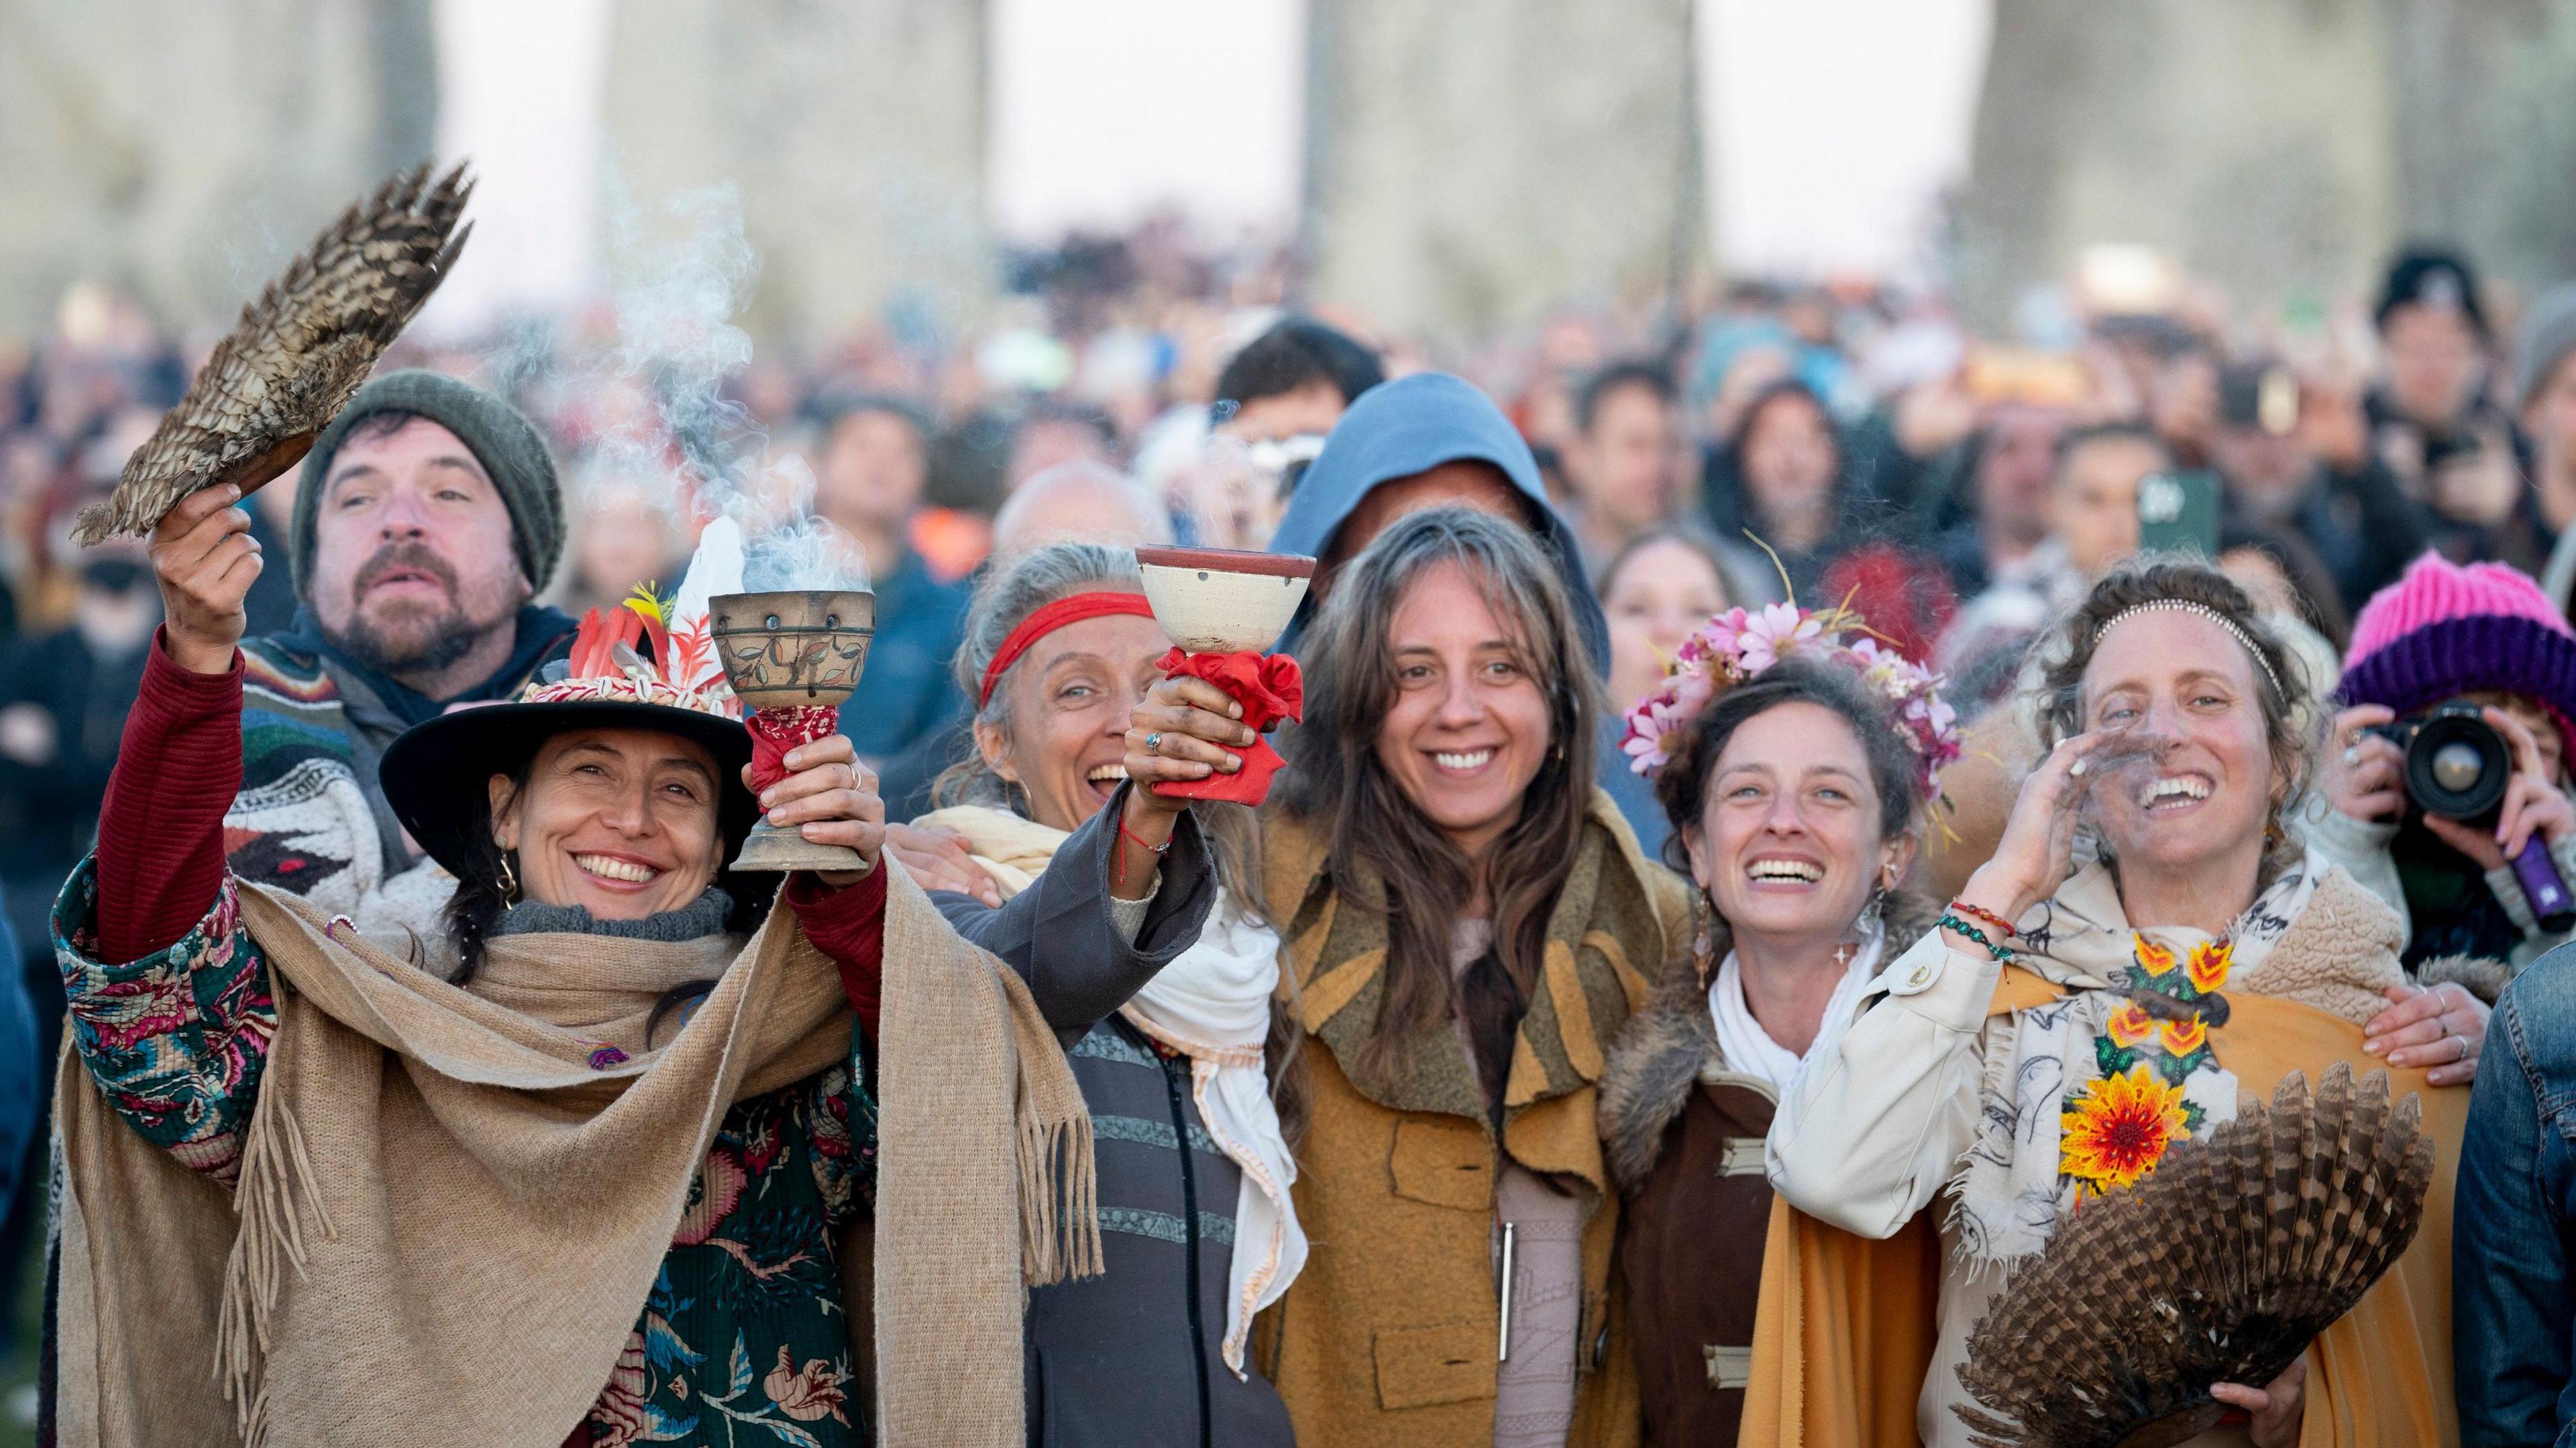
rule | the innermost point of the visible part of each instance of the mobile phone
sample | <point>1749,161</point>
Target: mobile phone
<point>2178,513</point>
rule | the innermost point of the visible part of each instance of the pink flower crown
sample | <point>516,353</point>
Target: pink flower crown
<point>1736,647</point>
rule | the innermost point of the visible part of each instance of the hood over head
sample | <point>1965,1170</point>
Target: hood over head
<point>1412,425</point>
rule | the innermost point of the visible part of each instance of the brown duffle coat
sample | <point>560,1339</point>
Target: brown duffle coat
<point>1388,1339</point>
<point>1682,1132</point>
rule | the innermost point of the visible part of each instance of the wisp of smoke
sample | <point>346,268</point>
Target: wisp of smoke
<point>807,554</point>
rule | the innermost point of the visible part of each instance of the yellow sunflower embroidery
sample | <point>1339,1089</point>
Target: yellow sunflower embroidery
<point>2117,1127</point>
<point>2181,1038</point>
<point>2153,958</point>
<point>2208,965</point>
<point>2129,1025</point>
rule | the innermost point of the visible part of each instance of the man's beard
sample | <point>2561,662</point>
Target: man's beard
<point>416,640</point>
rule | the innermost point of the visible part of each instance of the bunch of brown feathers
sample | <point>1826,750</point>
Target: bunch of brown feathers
<point>298,354</point>
<point>2220,1267</point>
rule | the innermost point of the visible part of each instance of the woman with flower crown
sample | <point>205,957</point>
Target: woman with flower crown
<point>2147,944</point>
<point>1796,793</point>
<point>627,1156</point>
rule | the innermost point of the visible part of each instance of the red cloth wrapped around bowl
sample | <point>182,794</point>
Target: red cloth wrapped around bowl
<point>774,732</point>
<point>1270,688</point>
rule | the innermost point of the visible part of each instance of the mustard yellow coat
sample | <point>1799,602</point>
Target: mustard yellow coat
<point>1387,1339</point>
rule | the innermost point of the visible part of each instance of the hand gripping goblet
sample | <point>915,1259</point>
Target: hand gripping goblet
<point>1221,608</point>
<point>792,659</point>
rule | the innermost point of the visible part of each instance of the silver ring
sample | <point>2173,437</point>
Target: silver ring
<point>2076,770</point>
<point>2464,1045</point>
<point>2352,754</point>
<point>1153,744</point>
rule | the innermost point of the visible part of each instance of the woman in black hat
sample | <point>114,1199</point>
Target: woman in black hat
<point>593,926</point>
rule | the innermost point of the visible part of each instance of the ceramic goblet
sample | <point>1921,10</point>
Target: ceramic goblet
<point>793,659</point>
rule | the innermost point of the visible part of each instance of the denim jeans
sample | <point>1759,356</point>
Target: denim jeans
<point>2513,1302</point>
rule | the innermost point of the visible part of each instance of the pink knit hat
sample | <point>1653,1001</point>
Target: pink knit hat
<point>2436,590</point>
<point>2443,630</point>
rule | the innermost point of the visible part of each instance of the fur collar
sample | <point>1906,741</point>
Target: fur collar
<point>1658,1057</point>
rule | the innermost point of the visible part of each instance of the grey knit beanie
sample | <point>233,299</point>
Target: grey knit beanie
<point>501,439</point>
<point>2548,335</point>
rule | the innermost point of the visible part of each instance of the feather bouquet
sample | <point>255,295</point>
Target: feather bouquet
<point>298,354</point>
<point>2221,1266</point>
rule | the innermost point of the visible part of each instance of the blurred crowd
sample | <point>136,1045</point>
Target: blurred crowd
<point>1849,444</point>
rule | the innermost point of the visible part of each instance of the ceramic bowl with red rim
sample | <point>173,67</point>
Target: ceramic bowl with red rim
<point>1222,600</point>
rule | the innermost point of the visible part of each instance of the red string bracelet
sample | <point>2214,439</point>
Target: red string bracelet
<point>1118,866</point>
<point>1988,916</point>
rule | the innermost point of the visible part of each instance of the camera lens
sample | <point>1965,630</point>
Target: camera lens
<point>2456,766</point>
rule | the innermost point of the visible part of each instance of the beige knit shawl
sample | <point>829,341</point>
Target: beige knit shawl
<point>447,1221</point>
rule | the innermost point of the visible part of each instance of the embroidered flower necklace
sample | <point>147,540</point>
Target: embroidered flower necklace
<point>2116,1128</point>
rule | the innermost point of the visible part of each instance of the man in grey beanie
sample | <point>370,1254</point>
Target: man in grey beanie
<point>427,518</point>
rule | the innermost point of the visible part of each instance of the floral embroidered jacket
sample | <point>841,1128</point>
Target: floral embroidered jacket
<point>743,1339</point>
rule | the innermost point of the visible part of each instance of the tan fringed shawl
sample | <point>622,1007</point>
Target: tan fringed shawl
<point>447,1221</point>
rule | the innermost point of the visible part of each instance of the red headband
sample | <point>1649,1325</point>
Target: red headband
<point>1072,608</point>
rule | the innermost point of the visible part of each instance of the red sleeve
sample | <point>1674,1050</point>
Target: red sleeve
<point>161,826</point>
<point>849,926</point>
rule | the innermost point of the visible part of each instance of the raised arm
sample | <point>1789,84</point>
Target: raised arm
<point>1869,1134</point>
<point>1065,934</point>
<point>169,997</point>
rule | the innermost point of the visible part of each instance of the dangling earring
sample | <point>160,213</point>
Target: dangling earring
<point>1703,944</point>
<point>509,882</point>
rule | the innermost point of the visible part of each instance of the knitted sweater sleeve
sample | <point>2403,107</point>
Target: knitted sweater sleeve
<point>161,825</point>
<point>169,1003</point>
<point>849,926</point>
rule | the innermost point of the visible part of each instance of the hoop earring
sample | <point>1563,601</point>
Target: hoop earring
<point>509,881</point>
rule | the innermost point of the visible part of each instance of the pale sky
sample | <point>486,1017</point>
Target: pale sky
<point>1833,126</point>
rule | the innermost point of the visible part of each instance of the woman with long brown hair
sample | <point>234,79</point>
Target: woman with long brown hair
<point>1467,923</point>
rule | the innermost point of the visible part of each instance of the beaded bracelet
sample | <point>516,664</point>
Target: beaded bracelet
<point>1955,924</point>
<point>1979,912</point>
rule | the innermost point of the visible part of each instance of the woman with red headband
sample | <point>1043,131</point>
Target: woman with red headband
<point>1197,1229</point>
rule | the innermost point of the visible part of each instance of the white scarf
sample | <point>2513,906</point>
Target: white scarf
<point>2007,1199</point>
<point>1747,1047</point>
<point>1212,1004</point>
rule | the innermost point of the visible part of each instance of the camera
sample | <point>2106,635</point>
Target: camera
<point>2458,768</point>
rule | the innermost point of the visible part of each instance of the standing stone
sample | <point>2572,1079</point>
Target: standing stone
<point>853,131</point>
<point>2486,144</point>
<point>1470,167</point>
<point>2248,138</point>
<point>186,149</point>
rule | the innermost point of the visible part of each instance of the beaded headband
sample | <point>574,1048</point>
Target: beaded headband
<point>2235,630</point>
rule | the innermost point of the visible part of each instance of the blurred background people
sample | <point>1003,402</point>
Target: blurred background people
<point>871,466</point>
<point>1623,465</point>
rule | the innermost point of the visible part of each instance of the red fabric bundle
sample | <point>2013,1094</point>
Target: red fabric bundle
<point>776,731</point>
<point>1270,688</point>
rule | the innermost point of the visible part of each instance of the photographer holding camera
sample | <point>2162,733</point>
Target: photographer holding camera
<point>2447,771</point>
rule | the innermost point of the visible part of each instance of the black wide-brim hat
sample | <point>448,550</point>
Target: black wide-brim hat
<point>436,775</point>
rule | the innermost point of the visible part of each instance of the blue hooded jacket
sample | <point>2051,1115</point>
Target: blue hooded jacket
<point>1412,425</point>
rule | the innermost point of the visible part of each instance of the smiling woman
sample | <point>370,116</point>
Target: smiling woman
<point>2202,952</point>
<point>1470,921</point>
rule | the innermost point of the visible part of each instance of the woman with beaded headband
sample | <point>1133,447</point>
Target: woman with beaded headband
<point>1796,791</point>
<point>2147,943</point>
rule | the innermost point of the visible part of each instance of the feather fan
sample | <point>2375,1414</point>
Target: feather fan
<point>298,354</point>
<point>2221,1266</point>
